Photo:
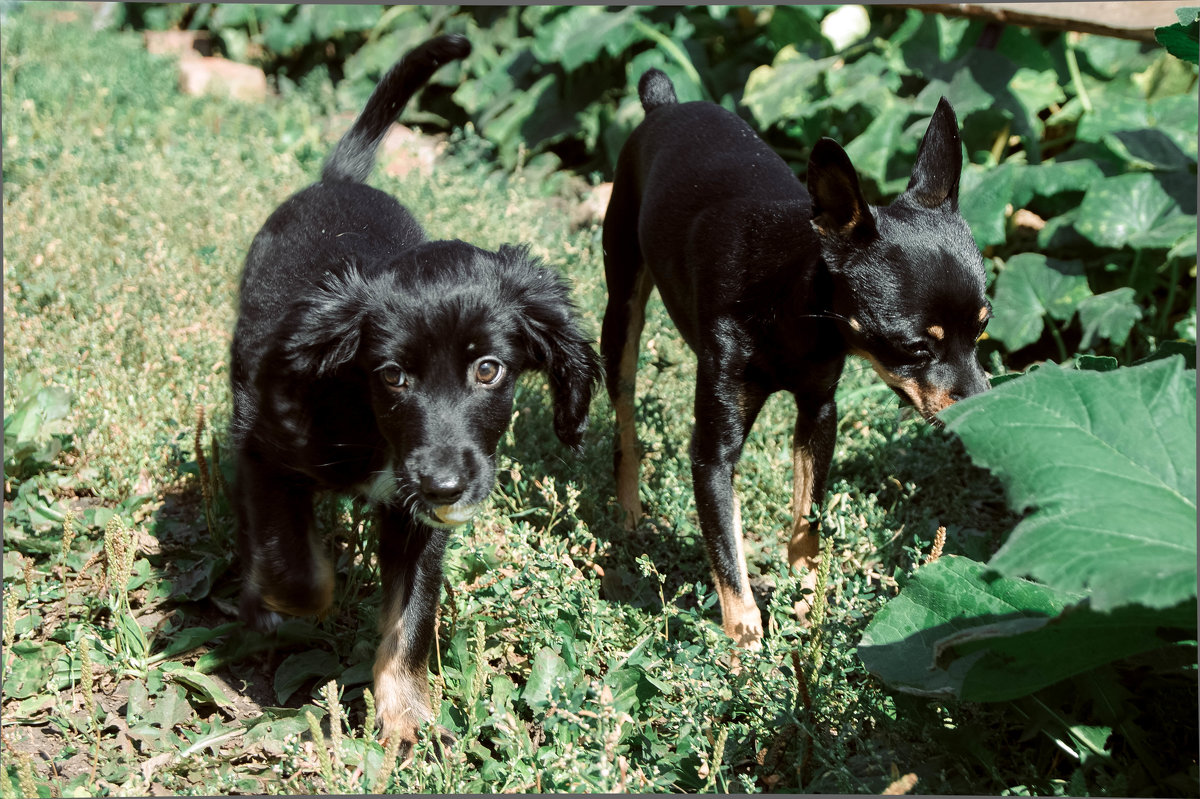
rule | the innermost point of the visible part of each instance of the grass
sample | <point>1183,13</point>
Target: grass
<point>570,655</point>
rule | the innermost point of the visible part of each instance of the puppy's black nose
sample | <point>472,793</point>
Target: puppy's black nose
<point>442,489</point>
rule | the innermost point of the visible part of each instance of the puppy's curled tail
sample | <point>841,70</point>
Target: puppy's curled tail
<point>655,89</point>
<point>354,155</point>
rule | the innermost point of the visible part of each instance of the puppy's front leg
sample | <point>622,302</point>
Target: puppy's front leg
<point>410,558</point>
<point>812,451</point>
<point>725,410</point>
<point>286,570</point>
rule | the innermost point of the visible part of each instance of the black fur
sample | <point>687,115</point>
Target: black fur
<point>369,359</point>
<point>772,285</point>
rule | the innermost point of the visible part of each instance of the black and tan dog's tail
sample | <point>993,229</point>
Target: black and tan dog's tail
<point>354,155</point>
<point>655,89</point>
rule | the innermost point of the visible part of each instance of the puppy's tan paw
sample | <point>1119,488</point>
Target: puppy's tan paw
<point>401,701</point>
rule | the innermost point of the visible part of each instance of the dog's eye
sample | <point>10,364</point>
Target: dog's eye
<point>917,351</point>
<point>488,371</point>
<point>393,377</point>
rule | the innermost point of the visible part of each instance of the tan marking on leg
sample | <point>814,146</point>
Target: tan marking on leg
<point>629,458</point>
<point>740,617</point>
<point>804,548</point>
<point>401,690</point>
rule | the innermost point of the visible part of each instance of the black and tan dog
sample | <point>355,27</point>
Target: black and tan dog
<point>772,285</point>
<point>368,358</point>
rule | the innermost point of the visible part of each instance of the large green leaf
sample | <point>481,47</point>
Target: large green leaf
<point>984,196</point>
<point>332,21</point>
<point>873,150</point>
<point>1029,288</point>
<point>30,430</point>
<point>866,82</point>
<point>1118,209</point>
<point>1049,179</point>
<point>958,631</point>
<point>1166,234</point>
<point>286,37</point>
<point>785,89</point>
<point>1106,463</point>
<point>1182,39</point>
<point>203,686</point>
<point>1175,117</point>
<point>1111,113</point>
<point>31,665</point>
<point>1110,315</point>
<point>578,35</point>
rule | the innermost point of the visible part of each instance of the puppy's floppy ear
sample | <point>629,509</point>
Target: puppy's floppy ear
<point>324,331</point>
<point>553,341</point>
<point>935,176</point>
<point>839,209</point>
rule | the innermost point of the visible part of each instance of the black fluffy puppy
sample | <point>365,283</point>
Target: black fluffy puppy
<point>367,358</point>
<point>772,285</point>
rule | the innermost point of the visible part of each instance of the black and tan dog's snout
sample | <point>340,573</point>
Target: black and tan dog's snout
<point>936,389</point>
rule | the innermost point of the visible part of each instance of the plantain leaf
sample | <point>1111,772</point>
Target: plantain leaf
<point>199,684</point>
<point>297,669</point>
<point>548,669</point>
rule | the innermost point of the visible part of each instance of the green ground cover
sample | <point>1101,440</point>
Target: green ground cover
<point>571,656</point>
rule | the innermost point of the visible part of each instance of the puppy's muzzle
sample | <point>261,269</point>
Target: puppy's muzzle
<point>443,493</point>
<point>451,486</point>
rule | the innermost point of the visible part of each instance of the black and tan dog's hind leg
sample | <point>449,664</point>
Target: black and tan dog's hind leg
<point>812,452</point>
<point>629,287</point>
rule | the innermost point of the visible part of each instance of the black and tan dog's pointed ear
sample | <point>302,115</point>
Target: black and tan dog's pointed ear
<point>935,176</point>
<point>554,343</point>
<point>839,208</point>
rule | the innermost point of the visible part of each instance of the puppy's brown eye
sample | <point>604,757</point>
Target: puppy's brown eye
<point>393,377</point>
<point>488,371</point>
